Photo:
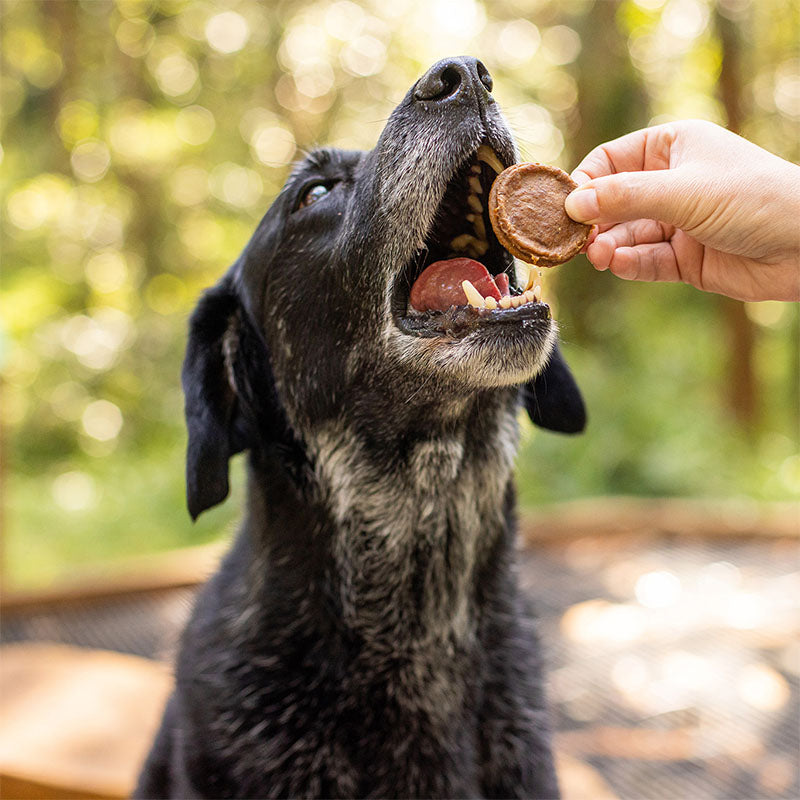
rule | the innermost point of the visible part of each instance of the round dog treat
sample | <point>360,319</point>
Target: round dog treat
<point>526,208</point>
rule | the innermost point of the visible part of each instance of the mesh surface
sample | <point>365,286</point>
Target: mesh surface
<point>674,663</point>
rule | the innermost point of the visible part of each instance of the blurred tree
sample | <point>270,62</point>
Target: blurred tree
<point>143,139</point>
<point>742,385</point>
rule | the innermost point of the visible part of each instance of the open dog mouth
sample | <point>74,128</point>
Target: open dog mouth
<point>463,278</point>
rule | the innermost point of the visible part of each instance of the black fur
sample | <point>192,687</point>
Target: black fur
<point>365,636</point>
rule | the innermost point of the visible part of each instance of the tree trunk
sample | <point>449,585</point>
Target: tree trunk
<point>740,384</point>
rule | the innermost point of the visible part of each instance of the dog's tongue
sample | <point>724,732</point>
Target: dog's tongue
<point>439,286</point>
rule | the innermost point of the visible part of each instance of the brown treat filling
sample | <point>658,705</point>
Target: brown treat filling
<point>526,208</point>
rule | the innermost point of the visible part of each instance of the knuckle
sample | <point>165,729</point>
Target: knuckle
<point>617,192</point>
<point>698,125</point>
<point>614,195</point>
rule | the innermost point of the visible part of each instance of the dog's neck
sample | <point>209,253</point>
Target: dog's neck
<point>413,511</point>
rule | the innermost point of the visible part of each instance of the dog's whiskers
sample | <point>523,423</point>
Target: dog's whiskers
<point>419,389</point>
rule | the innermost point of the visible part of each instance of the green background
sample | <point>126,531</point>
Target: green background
<point>142,142</point>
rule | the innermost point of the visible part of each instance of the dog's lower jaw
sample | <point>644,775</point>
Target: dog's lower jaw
<point>484,359</point>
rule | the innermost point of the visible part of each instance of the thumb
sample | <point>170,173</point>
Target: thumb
<point>654,194</point>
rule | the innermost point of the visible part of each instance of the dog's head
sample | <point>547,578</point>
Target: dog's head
<point>315,320</point>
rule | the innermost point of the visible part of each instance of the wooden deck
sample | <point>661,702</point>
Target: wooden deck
<point>670,628</point>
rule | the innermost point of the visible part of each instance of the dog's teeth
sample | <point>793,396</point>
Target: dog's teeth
<point>517,300</point>
<point>537,292</point>
<point>466,241</point>
<point>475,185</point>
<point>475,204</point>
<point>529,296</point>
<point>480,228</point>
<point>531,278</point>
<point>474,297</point>
<point>461,242</point>
<point>490,303</point>
<point>505,301</point>
<point>488,156</point>
<point>522,272</point>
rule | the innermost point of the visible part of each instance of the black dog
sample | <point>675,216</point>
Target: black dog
<point>365,636</point>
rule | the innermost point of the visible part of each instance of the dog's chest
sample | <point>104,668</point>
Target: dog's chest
<point>391,486</point>
<point>410,527</point>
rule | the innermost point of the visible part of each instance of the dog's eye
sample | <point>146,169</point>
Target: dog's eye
<point>317,191</point>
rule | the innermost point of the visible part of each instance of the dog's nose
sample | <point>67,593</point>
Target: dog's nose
<point>459,79</point>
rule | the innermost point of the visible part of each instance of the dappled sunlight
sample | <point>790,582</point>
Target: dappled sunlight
<point>137,165</point>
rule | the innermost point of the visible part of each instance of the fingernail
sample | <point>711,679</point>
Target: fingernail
<point>580,177</point>
<point>582,205</point>
<point>599,254</point>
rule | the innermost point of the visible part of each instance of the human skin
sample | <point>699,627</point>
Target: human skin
<point>690,201</point>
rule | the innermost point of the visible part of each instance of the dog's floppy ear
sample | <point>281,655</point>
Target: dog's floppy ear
<point>211,403</point>
<point>553,400</point>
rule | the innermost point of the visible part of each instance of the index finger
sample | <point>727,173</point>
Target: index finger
<point>645,149</point>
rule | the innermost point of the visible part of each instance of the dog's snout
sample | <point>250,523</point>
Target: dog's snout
<point>455,79</point>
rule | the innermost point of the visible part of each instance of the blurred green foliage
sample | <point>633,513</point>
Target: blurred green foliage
<point>143,139</point>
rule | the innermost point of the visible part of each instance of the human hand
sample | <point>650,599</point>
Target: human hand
<point>690,201</point>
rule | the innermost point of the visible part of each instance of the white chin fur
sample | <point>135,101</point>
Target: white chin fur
<point>478,360</point>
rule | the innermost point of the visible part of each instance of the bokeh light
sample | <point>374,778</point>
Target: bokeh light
<point>141,141</point>
<point>102,420</point>
<point>194,124</point>
<point>74,491</point>
<point>227,32</point>
<point>236,185</point>
<point>90,160</point>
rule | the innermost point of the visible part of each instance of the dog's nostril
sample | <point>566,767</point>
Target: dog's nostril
<point>451,78</point>
<point>440,82</point>
<point>455,78</point>
<point>485,77</point>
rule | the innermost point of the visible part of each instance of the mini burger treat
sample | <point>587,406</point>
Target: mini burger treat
<point>526,209</point>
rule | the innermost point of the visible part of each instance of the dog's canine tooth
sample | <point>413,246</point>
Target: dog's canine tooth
<point>537,292</point>
<point>475,185</point>
<point>474,297</point>
<point>505,301</point>
<point>488,156</point>
<point>531,279</point>
<point>490,303</point>
<point>475,204</point>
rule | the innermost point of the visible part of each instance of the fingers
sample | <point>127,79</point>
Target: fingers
<point>646,262</point>
<point>601,249</point>
<point>664,195</point>
<point>629,178</point>
<point>646,149</point>
<point>647,251</point>
<point>625,234</point>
